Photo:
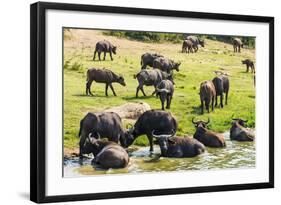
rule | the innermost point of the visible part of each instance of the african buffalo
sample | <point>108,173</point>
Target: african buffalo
<point>178,147</point>
<point>187,46</point>
<point>165,89</point>
<point>237,45</point>
<point>249,64</point>
<point>103,76</point>
<point>207,137</point>
<point>221,83</point>
<point>160,121</point>
<point>165,64</point>
<point>151,78</point>
<point>239,132</point>
<point>148,58</point>
<point>195,42</point>
<point>107,124</point>
<point>108,154</point>
<point>207,94</point>
<point>105,47</point>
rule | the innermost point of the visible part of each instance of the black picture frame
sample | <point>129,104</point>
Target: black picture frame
<point>38,100</point>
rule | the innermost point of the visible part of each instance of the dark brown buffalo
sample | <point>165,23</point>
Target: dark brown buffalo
<point>107,124</point>
<point>108,154</point>
<point>195,42</point>
<point>207,94</point>
<point>148,58</point>
<point>239,132</point>
<point>165,64</point>
<point>207,137</point>
<point>249,64</point>
<point>165,90</point>
<point>105,47</point>
<point>187,46</point>
<point>237,45</point>
<point>103,76</point>
<point>178,147</point>
<point>160,121</point>
<point>221,83</point>
<point>151,78</point>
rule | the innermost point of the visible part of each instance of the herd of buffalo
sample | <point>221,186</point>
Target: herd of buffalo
<point>159,126</point>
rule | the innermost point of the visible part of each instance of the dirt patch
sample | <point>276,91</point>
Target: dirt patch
<point>130,110</point>
<point>69,153</point>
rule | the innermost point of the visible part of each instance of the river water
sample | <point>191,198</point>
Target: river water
<point>234,155</point>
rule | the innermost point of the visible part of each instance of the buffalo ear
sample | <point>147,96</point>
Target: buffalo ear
<point>171,140</point>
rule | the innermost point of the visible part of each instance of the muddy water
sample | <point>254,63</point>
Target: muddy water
<point>235,155</point>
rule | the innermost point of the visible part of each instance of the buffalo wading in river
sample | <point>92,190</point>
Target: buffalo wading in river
<point>239,132</point>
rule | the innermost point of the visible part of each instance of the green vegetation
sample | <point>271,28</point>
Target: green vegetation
<point>152,37</point>
<point>195,68</point>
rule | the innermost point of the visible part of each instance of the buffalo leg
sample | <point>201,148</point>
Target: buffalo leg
<point>106,89</point>
<point>88,88</point>
<point>104,54</point>
<point>150,139</point>
<point>110,53</point>
<point>162,104</point>
<point>216,101</point>
<point>247,70</point>
<point>221,100</point>
<point>169,99</point>
<point>239,49</point>
<point>137,91</point>
<point>99,54</point>
<point>207,105</point>
<point>226,95</point>
<point>202,107</point>
<point>111,87</point>
<point>213,99</point>
<point>94,58</point>
<point>142,91</point>
<point>234,48</point>
<point>153,93</point>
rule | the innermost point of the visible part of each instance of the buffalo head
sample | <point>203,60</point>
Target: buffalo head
<point>164,141</point>
<point>121,80</point>
<point>200,123</point>
<point>202,42</point>
<point>114,49</point>
<point>240,121</point>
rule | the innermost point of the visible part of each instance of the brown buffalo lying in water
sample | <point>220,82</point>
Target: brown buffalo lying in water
<point>207,137</point>
<point>239,132</point>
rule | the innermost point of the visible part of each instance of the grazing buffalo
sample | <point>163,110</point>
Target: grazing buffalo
<point>165,89</point>
<point>151,78</point>
<point>249,64</point>
<point>105,47</point>
<point>239,132</point>
<point>207,137</point>
<point>187,46</point>
<point>195,42</point>
<point>221,83</point>
<point>178,147</point>
<point>103,76</point>
<point>165,64</point>
<point>107,124</point>
<point>108,154</point>
<point>148,58</point>
<point>207,94</point>
<point>237,45</point>
<point>160,121</point>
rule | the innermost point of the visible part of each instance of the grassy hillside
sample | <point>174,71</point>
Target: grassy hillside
<point>195,68</point>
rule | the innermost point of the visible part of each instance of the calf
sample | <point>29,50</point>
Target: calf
<point>221,83</point>
<point>165,89</point>
<point>148,58</point>
<point>160,121</point>
<point>165,64</point>
<point>207,137</point>
<point>105,47</point>
<point>107,124</point>
<point>103,76</point>
<point>239,132</point>
<point>108,154</point>
<point>151,78</point>
<point>237,45</point>
<point>207,94</point>
<point>178,147</point>
<point>249,64</point>
<point>187,46</point>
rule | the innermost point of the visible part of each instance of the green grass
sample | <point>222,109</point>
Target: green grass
<point>194,69</point>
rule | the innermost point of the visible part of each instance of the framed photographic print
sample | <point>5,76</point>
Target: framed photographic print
<point>129,102</point>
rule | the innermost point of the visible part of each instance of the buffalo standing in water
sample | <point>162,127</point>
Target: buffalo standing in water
<point>107,124</point>
<point>221,83</point>
<point>150,78</point>
<point>178,147</point>
<point>103,76</point>
<point>207,94</point>
<point>239,132</point>
<point>160,121</point>
<point>105,47</point>
<point>108,154</point>
<point>207,137</point>
<point>148,58</point>
<point>237,45</point>
<point>165,89</point>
